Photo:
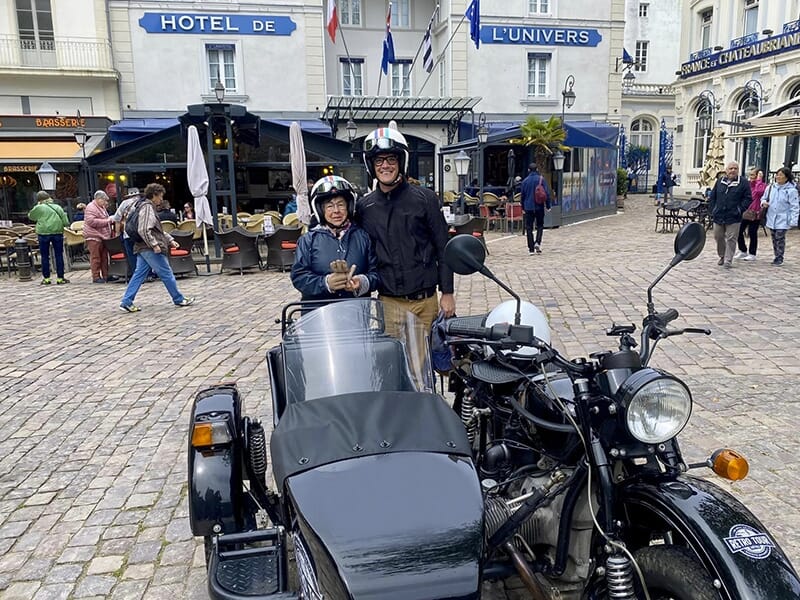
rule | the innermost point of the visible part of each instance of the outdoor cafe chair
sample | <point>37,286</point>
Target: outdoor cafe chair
<point>470,203</point>
<point>489,199</point>
<point>239,250</point>
<point>7,252</point>
<point>180,258</point>
<point>491,218</point>
<point>168,226</point>
<point>514,214</point>
<point>281,246</point>
<point>450,197</point>
<point>74,247</point>
<point>117,261</point>
<point>667,216</point>
<point>76,226</point>
<point>291,219</point>
<point>476,227</point>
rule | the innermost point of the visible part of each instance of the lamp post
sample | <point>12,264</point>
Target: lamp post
<point>483,137</point>
<point>47,177</point>
<point>80,138</point>
<point>755,96</point>
<point>567,96</point>
<point>352,130</point>
<point>709,105</point>
<point>461,161</point>
<point>219,91</point>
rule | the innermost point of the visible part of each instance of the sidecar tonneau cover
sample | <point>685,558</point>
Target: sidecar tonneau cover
<point>327,430</point>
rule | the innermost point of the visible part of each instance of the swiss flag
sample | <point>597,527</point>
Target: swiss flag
<point>333,20</point>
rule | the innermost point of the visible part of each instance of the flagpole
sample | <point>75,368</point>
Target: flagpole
<point>388,24</point>
<point>441,54</point>
<point>349,60</point>
<point>416,56</point>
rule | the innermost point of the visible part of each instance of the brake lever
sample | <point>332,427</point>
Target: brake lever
<point>671,332</point>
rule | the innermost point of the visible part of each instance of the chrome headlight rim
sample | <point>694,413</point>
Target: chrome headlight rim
<point>636,389</point>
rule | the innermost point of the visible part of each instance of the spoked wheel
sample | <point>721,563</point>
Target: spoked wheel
<point>673,573</point>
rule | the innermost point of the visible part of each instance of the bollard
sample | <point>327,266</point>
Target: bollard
<point>23,252</point>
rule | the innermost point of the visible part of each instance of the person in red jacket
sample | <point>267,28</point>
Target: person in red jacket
<point>97,226</point>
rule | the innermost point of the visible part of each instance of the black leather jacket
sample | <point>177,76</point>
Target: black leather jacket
<point>409,234</point>
<point>729,200</point>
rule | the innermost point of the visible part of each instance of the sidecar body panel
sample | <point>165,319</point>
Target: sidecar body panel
<point>385,493</point>
<point>400,525</point>
<point>731,542</point>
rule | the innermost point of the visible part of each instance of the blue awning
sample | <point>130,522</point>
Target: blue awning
<point>580,134</point>
<point>131,129</point>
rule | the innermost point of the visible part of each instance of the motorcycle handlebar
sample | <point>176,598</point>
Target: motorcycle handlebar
<point>466,328</point>
<point>668,315</point>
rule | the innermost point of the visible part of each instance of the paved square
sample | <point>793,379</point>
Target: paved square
<point>94,402</point>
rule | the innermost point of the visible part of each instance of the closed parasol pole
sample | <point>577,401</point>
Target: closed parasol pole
<point>197,177</point>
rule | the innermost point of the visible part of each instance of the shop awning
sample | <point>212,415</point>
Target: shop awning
<point>580,134</point>
<point>781,125</point>
<point>33,151</point>
<point>403,109</point>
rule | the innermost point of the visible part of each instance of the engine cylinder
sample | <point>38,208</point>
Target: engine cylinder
<point>497,513</point>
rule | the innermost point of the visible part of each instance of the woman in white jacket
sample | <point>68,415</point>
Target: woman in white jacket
<point>783,209</point>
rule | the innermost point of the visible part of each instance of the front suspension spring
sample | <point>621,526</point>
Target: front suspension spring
<point>619,578</point>
<point>467,406</point>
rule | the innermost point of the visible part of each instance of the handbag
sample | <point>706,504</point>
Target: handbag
<point>751,215</point>
<point>762,213</point>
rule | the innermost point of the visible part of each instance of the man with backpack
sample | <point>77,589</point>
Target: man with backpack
<point>151,245</point>
<point>535,200</point>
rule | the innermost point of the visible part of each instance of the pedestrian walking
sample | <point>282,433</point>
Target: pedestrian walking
<point>50,221</point>
<point>128,200</point>
<point>97,227</point>
<point>667,183</point>
<point>783,210</point>
<point>408,232</point>
<point>536,200</point>
<point>316,273</point>
<point>730,197</point>
<point>751,219</point>
<point>153,251</point>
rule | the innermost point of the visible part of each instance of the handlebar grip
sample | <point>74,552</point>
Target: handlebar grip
<point>668,315</point>
<point>465,327</point>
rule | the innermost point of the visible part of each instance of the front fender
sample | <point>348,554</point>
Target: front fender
<point>729,540</point>
<point>215,474</point>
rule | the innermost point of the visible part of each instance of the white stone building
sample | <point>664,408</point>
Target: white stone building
<point>742,56</point>
<point>652,40</point>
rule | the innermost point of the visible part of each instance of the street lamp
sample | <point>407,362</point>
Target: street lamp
<point>47,177</point>
<point>80,138</point>
<point>483,130</point>
<point>567,95</point>
<point>352,130</point>
<point>709,107</point>
<point>628,79</point>
<point>558,167</point>
<point>461,161</point>
<point>755,96</point>
<point>219,91</point>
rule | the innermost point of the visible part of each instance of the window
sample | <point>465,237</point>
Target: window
<point>706,18</point>
<point>538,75</point>
<point>352,76</point>
<point>401,13</point>
<point>701,138</point>
<point>643,8</point>
<point>401,77</point>
<point>221,65</point>
<point>539,7</point>
<point>750,16</point>
<point>349,12</point>
<point>640,64</point>
<point>642,134</point>
<point>35,22</point>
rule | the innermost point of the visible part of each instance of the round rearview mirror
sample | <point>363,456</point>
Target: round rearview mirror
<point>690,240</point>
<point>464,254</point>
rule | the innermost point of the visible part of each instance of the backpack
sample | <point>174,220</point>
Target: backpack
<point>132,222</point>
<point>539,193</point>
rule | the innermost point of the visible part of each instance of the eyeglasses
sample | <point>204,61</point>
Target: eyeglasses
<point>390,160</point>
<point>333,206</point>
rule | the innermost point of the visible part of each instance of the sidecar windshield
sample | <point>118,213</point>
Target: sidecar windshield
<point>358,345</point>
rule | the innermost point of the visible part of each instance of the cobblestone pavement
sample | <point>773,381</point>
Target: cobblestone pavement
<point>94,403</point>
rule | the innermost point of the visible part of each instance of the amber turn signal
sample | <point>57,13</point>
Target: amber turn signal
<point>729,464</point>
<point>201,435</point>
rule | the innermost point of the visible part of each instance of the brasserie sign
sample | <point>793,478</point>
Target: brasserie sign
<point>732,56</point>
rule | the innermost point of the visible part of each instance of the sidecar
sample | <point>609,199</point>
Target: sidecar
<point>373,486</point>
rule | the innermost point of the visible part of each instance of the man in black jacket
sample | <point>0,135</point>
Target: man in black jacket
<point>729,199</point>
<point>408,231</point>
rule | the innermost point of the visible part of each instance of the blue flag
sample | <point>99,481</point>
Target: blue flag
<point>388,44</point>
<point>474,15</point>
<point>626,58</point>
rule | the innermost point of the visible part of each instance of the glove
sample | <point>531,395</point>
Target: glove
<point>359,285</point>
<point>336,281</point>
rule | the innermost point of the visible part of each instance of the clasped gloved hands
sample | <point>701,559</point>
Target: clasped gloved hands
<point>341,277</point>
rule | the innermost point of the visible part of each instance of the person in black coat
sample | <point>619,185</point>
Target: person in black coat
<point>335,259</point>
<point>730,197</point>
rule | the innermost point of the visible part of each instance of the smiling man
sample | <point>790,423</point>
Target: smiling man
<point>408,232</point>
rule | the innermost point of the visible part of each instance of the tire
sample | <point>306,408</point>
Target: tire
<point>673,573</point>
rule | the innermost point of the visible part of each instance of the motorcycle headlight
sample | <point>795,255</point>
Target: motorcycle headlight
<point>657,406</point>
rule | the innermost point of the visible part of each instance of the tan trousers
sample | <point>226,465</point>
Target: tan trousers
<point>98,259</point>
<point>725,236</point>
<point>426,311</point>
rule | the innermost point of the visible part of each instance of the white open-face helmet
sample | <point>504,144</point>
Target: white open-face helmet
<point>385,140</point>
<point>529,315</point>
<point>329,187</point>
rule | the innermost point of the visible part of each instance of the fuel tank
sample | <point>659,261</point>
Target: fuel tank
<point>397,525</point>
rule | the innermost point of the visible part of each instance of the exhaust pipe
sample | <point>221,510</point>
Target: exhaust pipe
<point>528,577</point>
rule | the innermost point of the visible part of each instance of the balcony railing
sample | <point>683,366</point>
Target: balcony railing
<point>648,89</point>
<point>78,54</point>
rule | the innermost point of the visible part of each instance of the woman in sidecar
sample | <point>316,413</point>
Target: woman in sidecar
<point>335,259</point>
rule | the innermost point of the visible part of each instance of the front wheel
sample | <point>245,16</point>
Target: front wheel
<point>673,573</point>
